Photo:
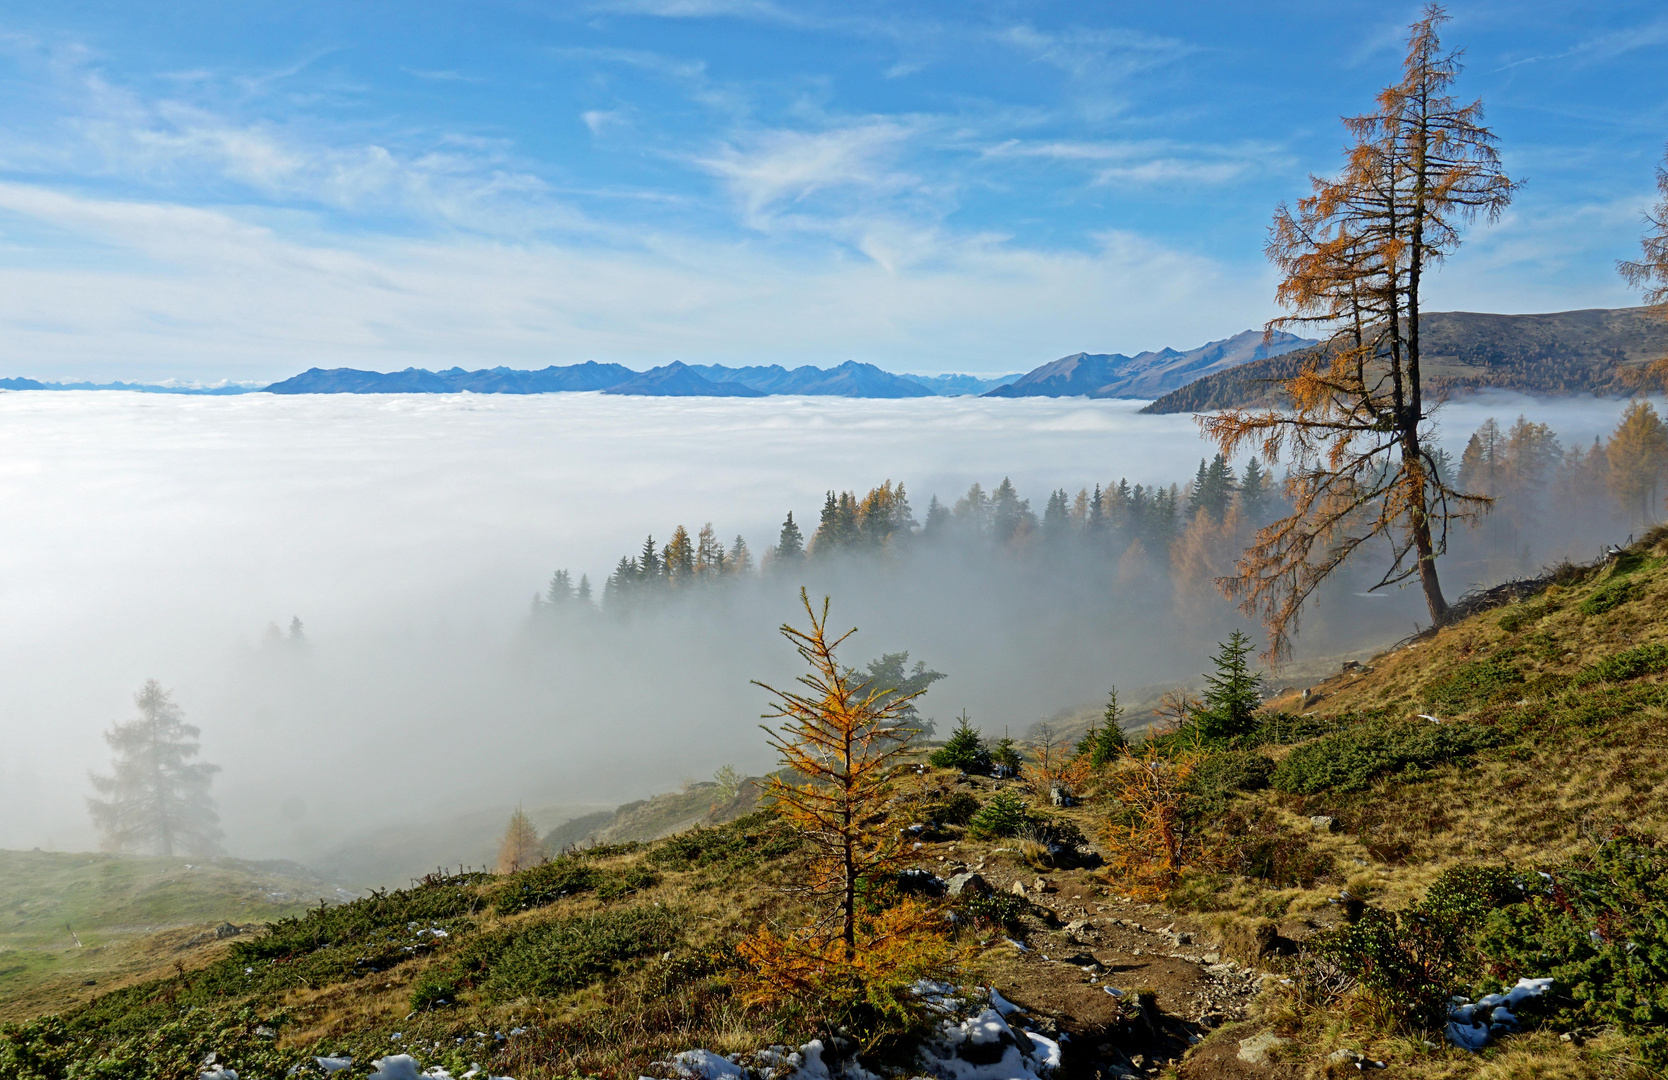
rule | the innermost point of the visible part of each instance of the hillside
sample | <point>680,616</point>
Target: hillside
<point>1566,352</point>
<point>79,920</point>
<point>1478,806</point>
<point>1147,374</point>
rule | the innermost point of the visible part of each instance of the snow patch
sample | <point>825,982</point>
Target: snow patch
<point>1472,1023</point>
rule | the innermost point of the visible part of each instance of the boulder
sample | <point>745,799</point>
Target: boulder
<point>970,883</point>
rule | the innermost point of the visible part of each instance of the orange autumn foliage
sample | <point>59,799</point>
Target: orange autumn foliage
<point>1147,841</point>
<point>1353,256</point>
<point>840,739</point>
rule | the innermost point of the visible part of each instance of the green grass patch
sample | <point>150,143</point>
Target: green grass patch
<point>1519,616</point>
<point>558,956</point>
<point>742,842</point>
<point>1351,759</point>
<point>544,885</point>
<point>1612,594</point>
<point>1629,664</point>
<point>1473,685</point>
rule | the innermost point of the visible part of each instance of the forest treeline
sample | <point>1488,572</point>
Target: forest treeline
<point>1549,501</point>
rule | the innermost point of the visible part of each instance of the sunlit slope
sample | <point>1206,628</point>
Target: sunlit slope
<point>66,918</point>
<point>1571,681</point>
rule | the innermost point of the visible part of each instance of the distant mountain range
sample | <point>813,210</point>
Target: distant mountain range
<point>1556,354</point>
<point>140,388</point>
<point>850,379</point>
<point>1561,353</point>
<point>587,376</point>
<point>1148,374</point>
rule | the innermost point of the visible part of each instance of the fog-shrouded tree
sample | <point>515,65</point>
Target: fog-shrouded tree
<point>1637,454</point>
<point>156,800</point>
<point>891,677</point>
<point>790,546</point>
<point>679,557</point>
<point>1353,256</point>
<point>520,846</point>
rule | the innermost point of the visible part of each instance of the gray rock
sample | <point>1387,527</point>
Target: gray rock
<point>970,883</point>
<point>1323,823</point>
<point>226,930</point>
<point>1255,1050</point>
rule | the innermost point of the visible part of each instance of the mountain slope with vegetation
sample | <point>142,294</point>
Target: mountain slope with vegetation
<point>1568,352</point>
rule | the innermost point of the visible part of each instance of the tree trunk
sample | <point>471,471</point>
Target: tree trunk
<point>1427,571</point>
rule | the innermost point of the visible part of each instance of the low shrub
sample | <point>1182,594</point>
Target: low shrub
<point>1612,594</point>
<point>1412,961</point>
<point>1351,759</point>
<point>742,842</point>
<point>951,808</point>
<point>438,898</point>
<point>1480,682</point>
<point>1005,911</point>
<point>560,955</point>
<point>1004,814</point>
<point>1598,926</point>
<point>1283,729</point>
<point>1519,616</point>
<point>1628,664</point>
<point>1223,775</point>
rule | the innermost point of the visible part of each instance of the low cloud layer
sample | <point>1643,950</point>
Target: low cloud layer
<point>159,536</point>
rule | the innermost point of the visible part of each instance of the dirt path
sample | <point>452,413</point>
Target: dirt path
<point>1091,961</point>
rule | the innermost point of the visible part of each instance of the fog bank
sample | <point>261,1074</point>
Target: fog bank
<point>149,536</point>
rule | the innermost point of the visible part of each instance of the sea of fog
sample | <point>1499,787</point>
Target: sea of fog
<point>154,536</point>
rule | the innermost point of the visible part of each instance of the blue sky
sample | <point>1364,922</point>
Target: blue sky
<point>205,191</point>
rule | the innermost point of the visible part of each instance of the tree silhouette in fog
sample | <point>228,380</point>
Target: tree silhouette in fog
<point>155,799</point>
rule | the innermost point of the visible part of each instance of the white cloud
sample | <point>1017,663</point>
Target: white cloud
<point>202,293</point>
<point>766,169</point>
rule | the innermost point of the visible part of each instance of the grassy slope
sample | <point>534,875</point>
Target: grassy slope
<point>115,904</point>
<point>1575,763</point>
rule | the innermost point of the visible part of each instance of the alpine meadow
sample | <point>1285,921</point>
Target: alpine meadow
<point>783,540</point>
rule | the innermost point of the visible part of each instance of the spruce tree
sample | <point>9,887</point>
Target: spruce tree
<point>648,564</point>
<point>938,518</point>
<point>1056,523</point>
<point>1005,759</point>
<point>1253,492</point>
<point>584,595</point>
<point>964,750</point>
<point>790,546</point>
<point>1105,742</point>
<point>154,800</point>
<point>741,559</point>
<point>1096,525</point>
<point>1196,491</point>
<point>560,589</point>
<point>1231,694</point>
